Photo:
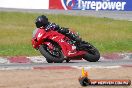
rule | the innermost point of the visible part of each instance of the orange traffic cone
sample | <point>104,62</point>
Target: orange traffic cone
<point>84,80</point>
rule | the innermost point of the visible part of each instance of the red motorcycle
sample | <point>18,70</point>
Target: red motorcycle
<point>56,47</point>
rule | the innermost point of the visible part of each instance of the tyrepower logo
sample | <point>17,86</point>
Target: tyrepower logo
<point>101,5</point>
<point>93,4</point>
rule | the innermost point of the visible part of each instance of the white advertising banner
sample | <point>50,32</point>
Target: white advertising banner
<point>25,4</point>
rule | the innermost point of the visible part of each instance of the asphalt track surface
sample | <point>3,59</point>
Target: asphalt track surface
<point>76,63</point>
<point>118,15</point>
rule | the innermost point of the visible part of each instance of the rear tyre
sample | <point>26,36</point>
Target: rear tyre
<point>93,54</point>
<point>50,58</point>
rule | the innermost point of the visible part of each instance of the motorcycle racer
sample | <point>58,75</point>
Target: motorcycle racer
<point>57,43</point>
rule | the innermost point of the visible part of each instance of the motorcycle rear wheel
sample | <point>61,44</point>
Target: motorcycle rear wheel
<point>49,57</point>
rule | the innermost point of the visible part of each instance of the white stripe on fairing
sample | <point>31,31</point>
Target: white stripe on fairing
<point>89,67</point>
<point>25,4</point>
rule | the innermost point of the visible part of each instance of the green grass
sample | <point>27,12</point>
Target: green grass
<point>106,34</point>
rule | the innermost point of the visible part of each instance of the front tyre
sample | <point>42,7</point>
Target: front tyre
<point>50,57</point>
<point>93,54</point>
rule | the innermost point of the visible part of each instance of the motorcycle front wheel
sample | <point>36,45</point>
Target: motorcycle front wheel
<point>92,55</point>
<point>52,56</point>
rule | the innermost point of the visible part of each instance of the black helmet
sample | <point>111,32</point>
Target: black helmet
<point>41,21</point>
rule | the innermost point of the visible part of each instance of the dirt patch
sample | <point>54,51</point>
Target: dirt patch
<point>59,78</point>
